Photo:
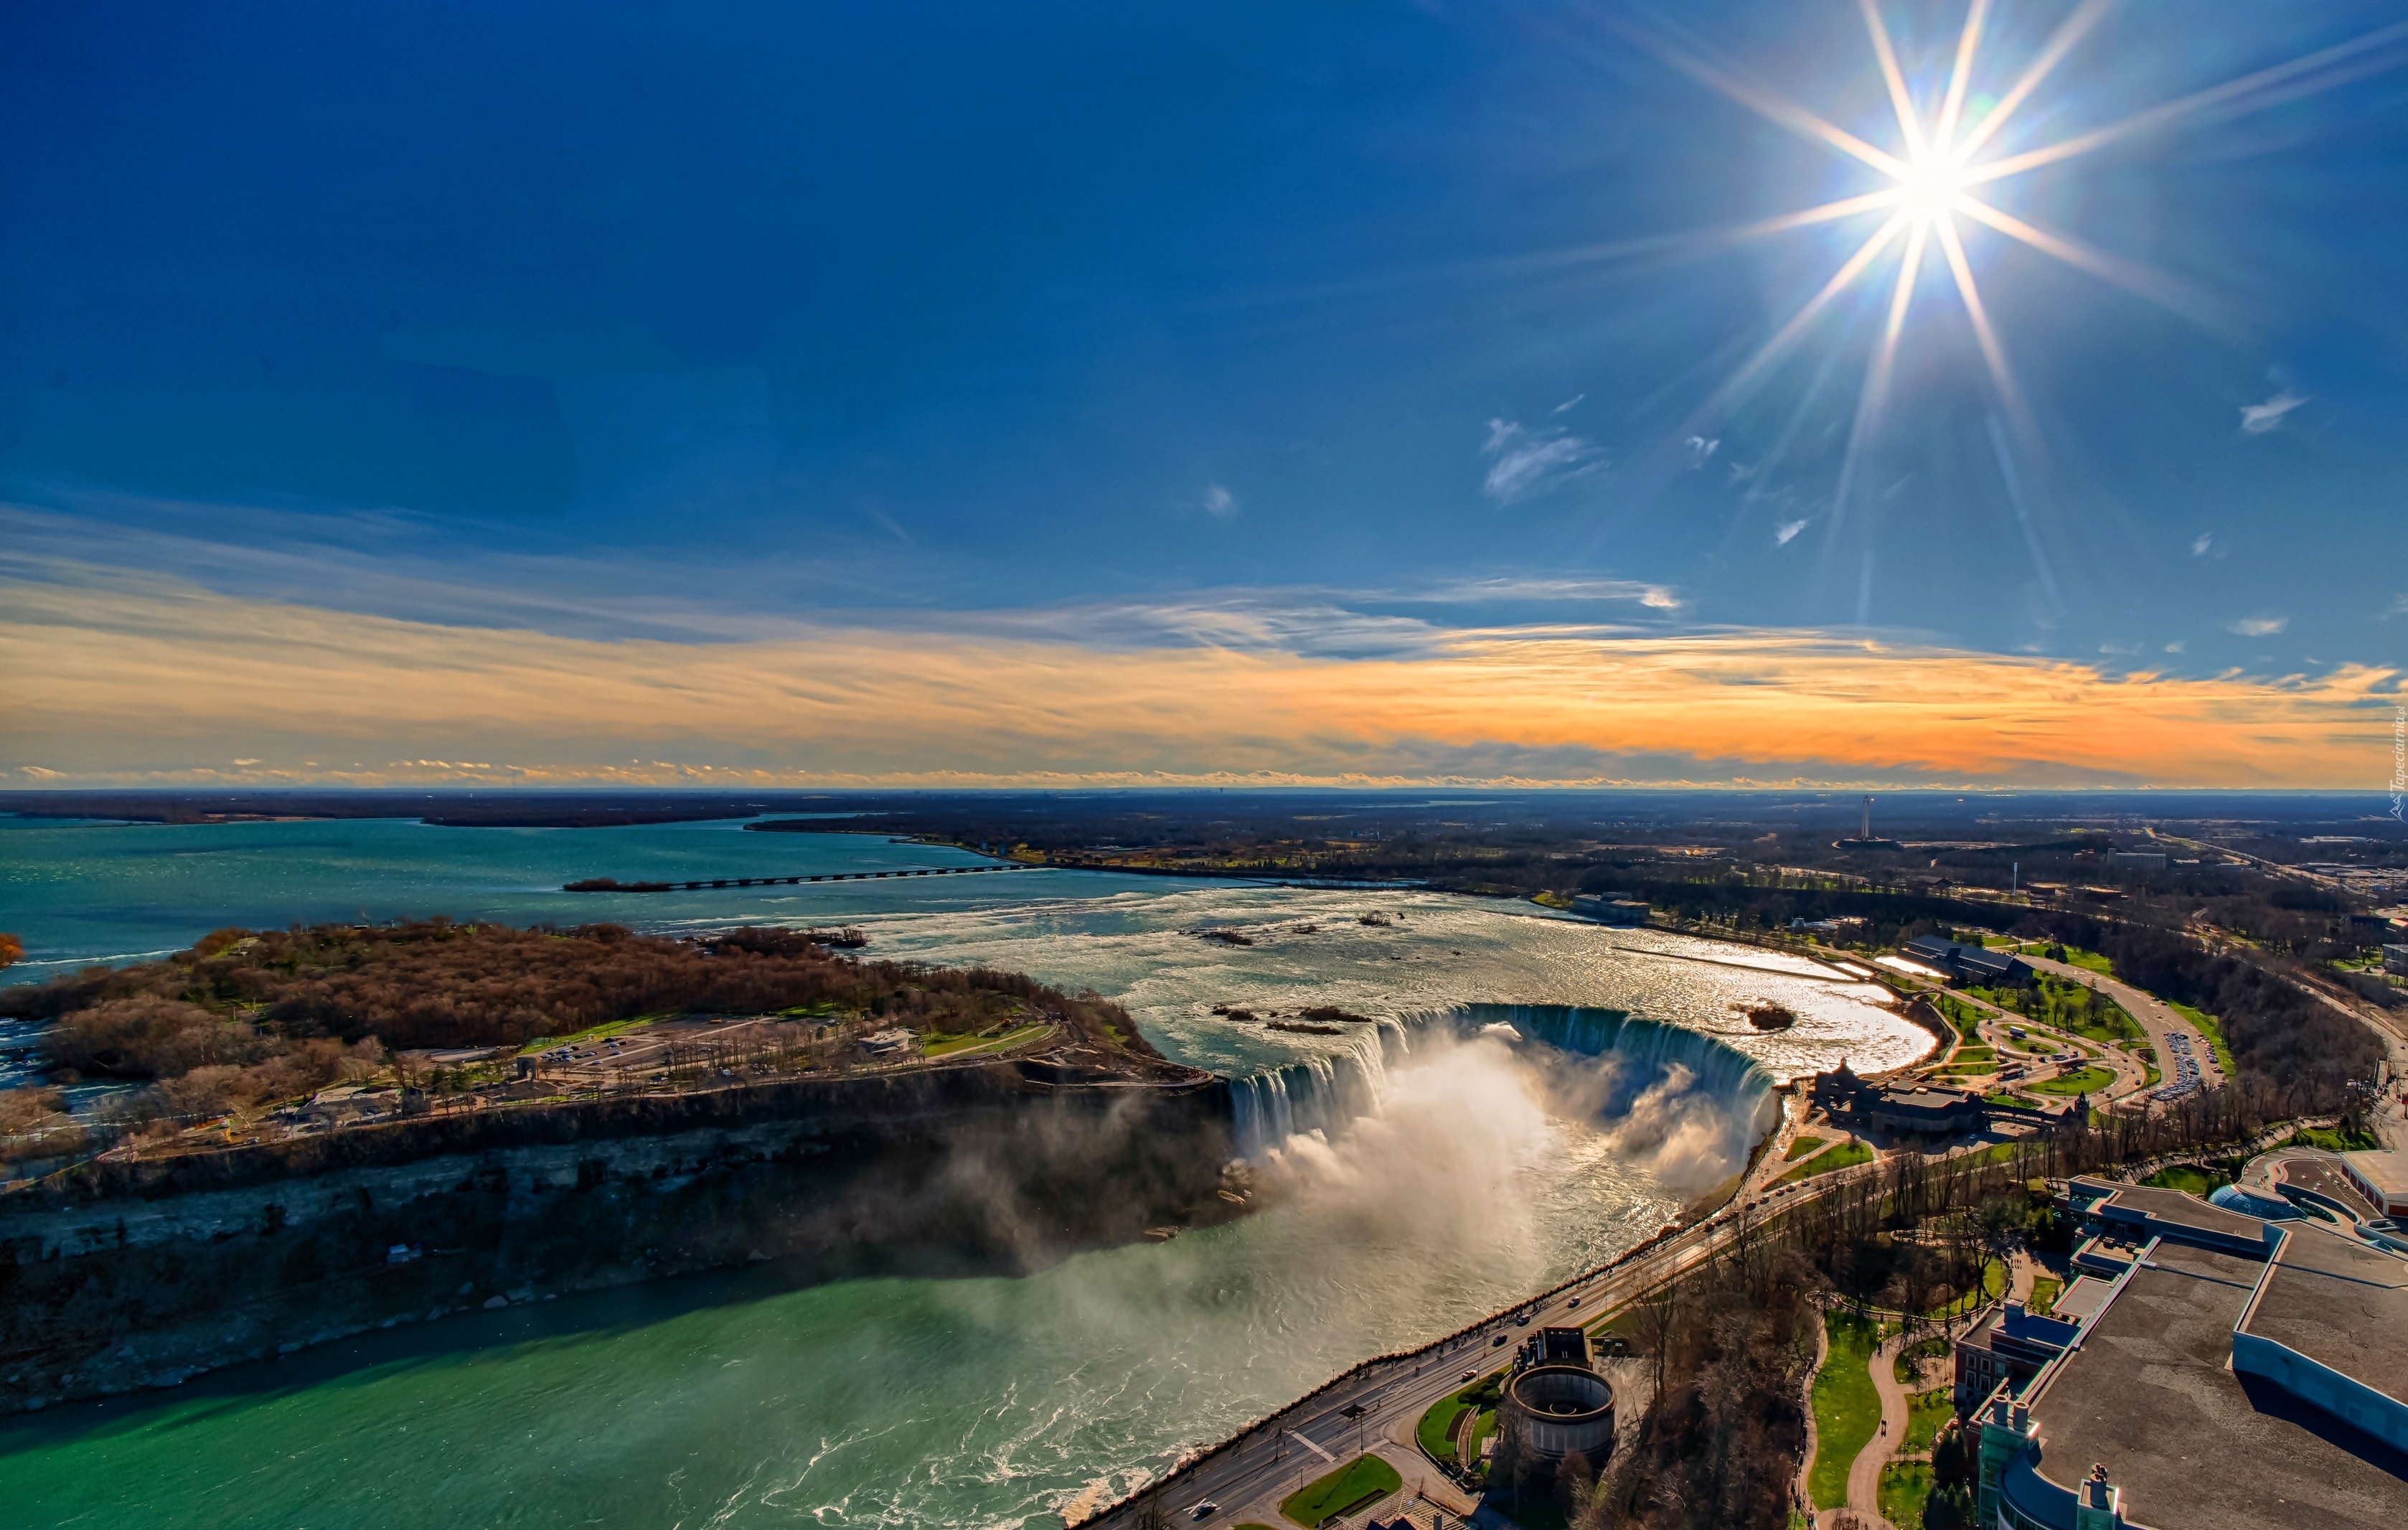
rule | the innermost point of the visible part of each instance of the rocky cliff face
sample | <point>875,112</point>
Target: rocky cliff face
<point>144,1274</point>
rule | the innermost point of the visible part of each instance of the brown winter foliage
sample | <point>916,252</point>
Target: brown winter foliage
<point>270,1014</point>
<point>1727,1346</point>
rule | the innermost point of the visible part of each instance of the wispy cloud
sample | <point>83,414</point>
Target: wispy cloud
<point>136,684</point>
<point>1218,500</point>
<point>2399,607</point>
<point>2258,419</point>
<point>2266,624</point>
<point>1702,450</point>
<point>1529,463</point>
<point>2200,543</point>
<point>1567,403</point>
<point>1503,589</point>
<point>1782,533</point>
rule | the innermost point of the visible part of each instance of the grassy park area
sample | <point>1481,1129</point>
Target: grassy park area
<point>1837,1157</point>
<point>2067,1005</point>
<point>1905,1487</point>
<point>1358,1484</point>
<point>1924,1413</point>
<point>2332,1140</point>
<point>1435,1432</point>
<point>1847,1409</point>
<point>2188,1177</point>
<point>938,1044</point>
<point>2080,1081</point>
<point>2045,1290</point>
<point>1802,1146</point>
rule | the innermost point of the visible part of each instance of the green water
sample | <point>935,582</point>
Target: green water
<point>984,1401</point>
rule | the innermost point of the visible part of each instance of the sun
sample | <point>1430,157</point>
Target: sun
<point>1929,185</point>
<point>1933,181</point>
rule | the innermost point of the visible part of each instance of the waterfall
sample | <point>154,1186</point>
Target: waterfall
<point>1323,1092</point>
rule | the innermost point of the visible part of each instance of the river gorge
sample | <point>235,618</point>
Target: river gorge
<point>1527,1096</point>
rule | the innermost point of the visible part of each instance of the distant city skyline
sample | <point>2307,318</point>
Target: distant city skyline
<point>1278,393</point>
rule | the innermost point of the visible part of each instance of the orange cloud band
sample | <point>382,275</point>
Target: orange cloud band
<point>172,683</point>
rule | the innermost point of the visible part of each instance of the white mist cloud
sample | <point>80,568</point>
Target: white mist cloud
<point>1218,501</point>
<point>2264,625</point>
<point>1531,463</point>
<point>1786,530</point>
<point>2258,419</point>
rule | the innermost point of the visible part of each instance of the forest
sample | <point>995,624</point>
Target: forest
<point>249,1015</point>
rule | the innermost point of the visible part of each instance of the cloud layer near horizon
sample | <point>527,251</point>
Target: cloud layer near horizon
<point>162,682</point>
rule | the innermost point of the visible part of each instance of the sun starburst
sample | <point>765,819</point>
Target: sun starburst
<point>1935,177</point>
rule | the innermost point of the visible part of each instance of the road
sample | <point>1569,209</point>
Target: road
<point>2131,1075</point>
<point>2156,1017</point>
<point>1250,1476</point>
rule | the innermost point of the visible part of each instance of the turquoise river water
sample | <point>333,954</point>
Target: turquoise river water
<point>1447,1170</point>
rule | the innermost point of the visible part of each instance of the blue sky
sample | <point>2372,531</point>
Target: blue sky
<point>1332,321</point>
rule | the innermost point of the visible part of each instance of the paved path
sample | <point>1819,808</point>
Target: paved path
<point>2156,1017</point>
<point>2130,1075</point>
<point>1864,1477</point>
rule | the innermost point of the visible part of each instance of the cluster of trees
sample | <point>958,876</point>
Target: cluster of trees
<point>2276,1031</point>
<point>1727,1346</point>
<point>247,1016</point>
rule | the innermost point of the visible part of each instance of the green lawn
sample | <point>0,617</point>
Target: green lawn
<point>1801,1146</point>
<point>1926,1411</point>
<point>1847,1409</point>
<point>2046,1288</point>
<point>593,1032</point>
<point>2188,1177</point>
<point>1356,1485</point>
<point>1905,1485</point>
<point>939,1043</point>
<point>2080,1081</point>
<point>2332,1140</point>
<point>1435,1432</point>
<point>1837,1157</point>
<point>2067,1005</point>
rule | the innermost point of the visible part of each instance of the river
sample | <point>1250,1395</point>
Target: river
<point>1465,1160</point>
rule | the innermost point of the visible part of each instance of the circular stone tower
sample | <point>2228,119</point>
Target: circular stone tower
<point>1563,1408</point>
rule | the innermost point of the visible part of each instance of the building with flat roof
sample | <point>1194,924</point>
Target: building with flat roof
<point>1596,905</point>
<point>2395,960</point>
<point>2237,1374</point>
<point>1971,963</point>
<point>2381,1178</point>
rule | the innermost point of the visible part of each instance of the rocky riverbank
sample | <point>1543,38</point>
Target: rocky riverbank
<point>134,1273</point>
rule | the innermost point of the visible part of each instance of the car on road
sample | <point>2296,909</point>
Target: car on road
<point>1500,1338</point>
<point>1573,1302</point>
<point>1466,1376</point>
<point>1204,1510</point>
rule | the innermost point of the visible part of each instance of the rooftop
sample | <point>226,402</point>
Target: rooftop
<point>2081,1301</point>
<point>2150,1395</point>
<point>2385,1171</point>
<point>2341,1304</point>
<point>2170,1213</point>
<point>2325,1176</point>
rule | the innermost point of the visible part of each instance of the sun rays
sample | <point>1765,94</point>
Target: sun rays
<point>1948,156</point>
